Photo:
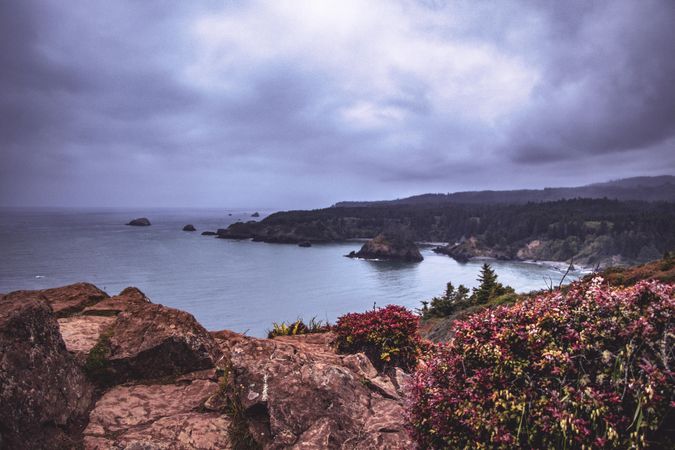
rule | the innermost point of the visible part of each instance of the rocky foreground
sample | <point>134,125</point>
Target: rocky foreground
<point>80,369</point>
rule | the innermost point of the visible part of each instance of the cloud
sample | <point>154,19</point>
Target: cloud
<point>304,103</point>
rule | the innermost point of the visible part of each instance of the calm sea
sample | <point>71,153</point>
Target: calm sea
<point>239,285</point>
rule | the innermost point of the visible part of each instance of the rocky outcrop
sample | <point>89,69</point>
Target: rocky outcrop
<point>296,392</point>
<point>43,393</point>
<point>66,300</point>
<point>389,246</point>
<point>466,249</point>
<point>123,301</point>
<point>305,244</point>
<point>177,415</point>
<point>209,233</point>
<point>189,227</point>
<point>164,382</point>
<point>140,222</point>
<point>255,214</point>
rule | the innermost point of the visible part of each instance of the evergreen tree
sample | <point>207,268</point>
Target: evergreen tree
<point>487,287</point>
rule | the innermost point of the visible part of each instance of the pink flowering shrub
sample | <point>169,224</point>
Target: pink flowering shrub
<point>388,336</point>
<point>590,368</point>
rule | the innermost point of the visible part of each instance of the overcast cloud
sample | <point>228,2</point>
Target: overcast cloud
<point>299,104</point>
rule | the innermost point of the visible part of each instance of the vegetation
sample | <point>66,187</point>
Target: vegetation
<point>298,327</point>
<point>587,367</point>
<point>489,291</point>
<point>238,431</point>
<point>388,336</point>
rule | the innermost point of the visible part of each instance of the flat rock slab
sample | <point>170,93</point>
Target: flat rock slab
<point>159,416</point>
<point>81,333</point>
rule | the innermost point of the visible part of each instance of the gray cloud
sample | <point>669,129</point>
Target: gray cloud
<point>287,104</point>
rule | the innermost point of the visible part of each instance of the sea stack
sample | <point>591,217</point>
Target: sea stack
<point>189,227</point>
<point>389,246</point>
<point>140,222</point>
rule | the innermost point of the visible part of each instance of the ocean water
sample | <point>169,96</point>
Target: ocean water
<point>238,285</point>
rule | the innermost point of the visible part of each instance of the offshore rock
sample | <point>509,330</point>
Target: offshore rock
<point>389,246</point>
<point>140,222</point>
<point>189,227</point>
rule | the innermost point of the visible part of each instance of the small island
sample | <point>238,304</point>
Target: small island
<point>189,227</point>
<point>390,246</point>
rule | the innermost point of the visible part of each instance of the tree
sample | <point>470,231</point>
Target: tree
<point>448,303</point>
<point>486,288</point>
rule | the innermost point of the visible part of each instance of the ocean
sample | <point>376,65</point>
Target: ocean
<point>243,286</point>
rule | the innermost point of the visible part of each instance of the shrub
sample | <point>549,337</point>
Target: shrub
<point>388,336</point>
<point>589,368</point>
<point>298,327</point>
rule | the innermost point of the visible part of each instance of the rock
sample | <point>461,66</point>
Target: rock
<point>389,246</point>
<point>81,333</point>
<point>238,230</point>
<point>153,341</point>
<point>296,392</point>
<point>466,249</point>
<point>305,244</point>
<point>44,394</point>
<point>209,233</point>
<point>159,416</point>
<point>66,300</point>
<point>189,227</point>
<point>112,306</point>
<point>140,222</point>
<point>255,214</point>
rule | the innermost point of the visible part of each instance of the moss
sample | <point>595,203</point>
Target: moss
<point>96,364</point>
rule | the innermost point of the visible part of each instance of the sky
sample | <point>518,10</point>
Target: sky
<point>300,104</point>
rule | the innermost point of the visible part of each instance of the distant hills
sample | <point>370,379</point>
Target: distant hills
<point>650,189</point>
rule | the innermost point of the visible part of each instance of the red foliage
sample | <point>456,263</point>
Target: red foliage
<point>388,336</point>
<point>590,368</point>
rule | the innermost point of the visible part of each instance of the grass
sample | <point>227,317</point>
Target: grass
<point>298,327</point>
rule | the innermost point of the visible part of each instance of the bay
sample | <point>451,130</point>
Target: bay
<point>243,286</point>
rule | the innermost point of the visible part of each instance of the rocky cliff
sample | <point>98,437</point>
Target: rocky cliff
<point>80,369</point>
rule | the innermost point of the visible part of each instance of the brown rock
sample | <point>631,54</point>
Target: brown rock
<point>65,300</point>
<point>298,393</point>
<point>44,395</point>
<point>129,297</point>
<point>158,417</point>
<point>81,333</point>
<point>154,341</point>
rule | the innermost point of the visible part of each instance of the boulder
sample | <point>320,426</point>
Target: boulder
<point>189,227</point>
<point>153,341</point>
<point>81,333</point>
<point>160,416</point>
<point>112,306</point>
<point>66,300</point>
<point>296,392</point>
<point>44,394</point>
<point>389,246</point>
<point>140,222</point>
